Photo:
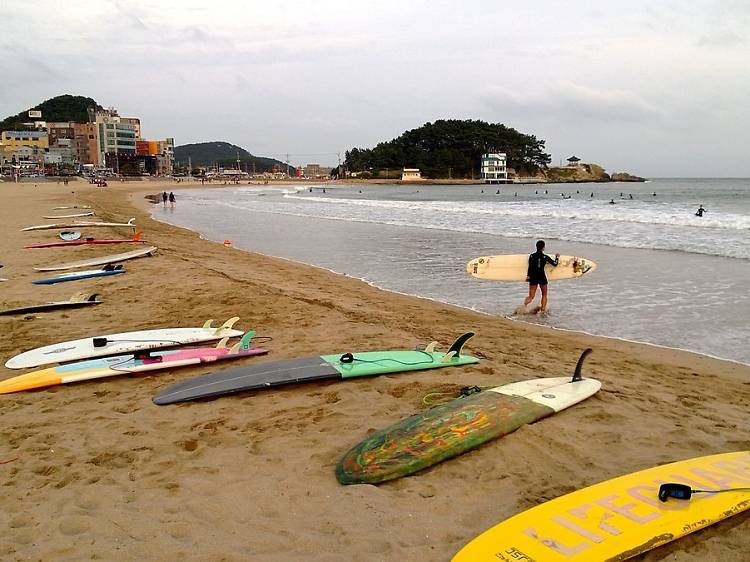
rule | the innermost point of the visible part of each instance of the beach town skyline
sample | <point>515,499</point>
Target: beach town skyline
<point>313,81</point>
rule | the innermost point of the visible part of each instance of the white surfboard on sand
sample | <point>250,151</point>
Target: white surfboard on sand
<point>71,207</point>
<point>113,258</point>
<point>78,224</point>
<point>74,216</point>
<point>114,344</point>
<point>513,267</point>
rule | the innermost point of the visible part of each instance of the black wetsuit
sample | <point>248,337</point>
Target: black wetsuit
<point>537,261</point>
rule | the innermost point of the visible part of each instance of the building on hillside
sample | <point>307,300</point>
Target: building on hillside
<point>24,159</point>
<point>63,130</point>
<point>494,167</point>
<point>135,122</point>
<point>573,162</point>
<point>61,154</point>
<point>24,150</point>
<point>164,157</point>
<point>15,139</point>
<point>116,140</point>
<point>86,144</point>
<point>411,174</point>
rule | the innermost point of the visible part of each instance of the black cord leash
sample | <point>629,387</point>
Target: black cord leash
<point>683,491</point>
<point>349,358</point>
<point>101,342</point>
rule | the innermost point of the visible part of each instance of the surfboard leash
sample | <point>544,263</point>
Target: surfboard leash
<point>350,358</point>
<point>684,492</point>
<point>436,397</point>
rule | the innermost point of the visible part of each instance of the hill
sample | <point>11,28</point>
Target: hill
<point>60,108</point>
<point>451,148</point>
<point>224,154</point>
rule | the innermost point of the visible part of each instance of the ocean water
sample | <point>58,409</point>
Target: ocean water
<point>665,276</point>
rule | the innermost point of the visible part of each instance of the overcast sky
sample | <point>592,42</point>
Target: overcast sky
<point>653,88</point>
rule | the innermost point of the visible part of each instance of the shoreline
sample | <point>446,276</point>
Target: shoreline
<point>467,308</point>
<point>100,471</point>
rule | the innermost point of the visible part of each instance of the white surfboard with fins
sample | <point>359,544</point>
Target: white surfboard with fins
<point>113,344</point>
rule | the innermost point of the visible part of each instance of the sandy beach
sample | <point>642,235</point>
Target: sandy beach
<point>96,471</point>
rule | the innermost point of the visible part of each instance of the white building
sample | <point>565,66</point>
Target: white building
<point>411,174</point>
<point>494,168</point>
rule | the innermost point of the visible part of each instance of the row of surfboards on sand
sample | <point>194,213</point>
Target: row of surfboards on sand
<point>72,238</point>
<point>612,520</point>
<point>639,512</point>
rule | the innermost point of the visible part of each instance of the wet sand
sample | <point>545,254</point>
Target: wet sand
<point>97,471</point>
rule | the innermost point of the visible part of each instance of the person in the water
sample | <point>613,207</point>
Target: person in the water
<point>535,274</point>
<point>700,211</point>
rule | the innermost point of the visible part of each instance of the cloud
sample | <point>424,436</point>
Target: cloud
<point>720,39</point>
<point>131,17</point>
<point>569,100</point>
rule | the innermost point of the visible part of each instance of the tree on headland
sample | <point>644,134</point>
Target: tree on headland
<point>58,109</point>
<point>224,154</point>
<point>450,148</point>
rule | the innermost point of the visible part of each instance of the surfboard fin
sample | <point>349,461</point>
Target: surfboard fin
<point>92,297</point>
<point>137,236</point>
<point>131,222</point>
<point>459,343</point>
<point>431,347</point>
<point>244,343</point>
<point>207,325</point>
<point>227,325</point>
<point>79,297</point>
<point>222,343</point>
<point>577,375</point>
<point>448,356</point>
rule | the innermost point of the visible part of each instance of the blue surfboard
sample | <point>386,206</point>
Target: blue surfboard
<point>76,275</point>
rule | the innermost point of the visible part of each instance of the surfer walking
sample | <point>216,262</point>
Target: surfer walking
<point>164,198</point>
<point>171,199</point>
<point>536,276</point>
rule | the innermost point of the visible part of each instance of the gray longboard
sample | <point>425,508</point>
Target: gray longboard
<point>275,373</point>
<point>305,369</point>
<point>72,303</point>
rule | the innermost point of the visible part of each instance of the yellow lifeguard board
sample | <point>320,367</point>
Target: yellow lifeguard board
<point>619,518</point>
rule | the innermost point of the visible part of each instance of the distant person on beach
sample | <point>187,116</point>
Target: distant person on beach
<point>164,198</point>
<point>536,276</point>
<point>171,199</point>
<point>700,211</point>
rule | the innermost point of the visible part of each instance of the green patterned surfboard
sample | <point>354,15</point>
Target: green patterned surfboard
<point>451,429</point>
